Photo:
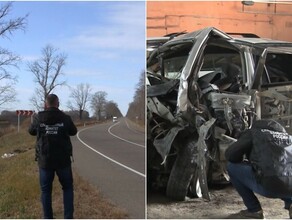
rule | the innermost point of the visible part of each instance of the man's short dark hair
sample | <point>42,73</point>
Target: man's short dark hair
<point>52,100</point>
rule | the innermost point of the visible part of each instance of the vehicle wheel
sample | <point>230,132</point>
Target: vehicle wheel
<point>182,172</point>
<point>195,190</point>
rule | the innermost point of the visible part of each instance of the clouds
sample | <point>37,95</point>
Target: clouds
<point>127,13</point>
<point>123,38</point>
<point>104,41</point>
<point>29,58</point>
<point>82,73</point>
<point>104,30</point>
<point>123,29</point>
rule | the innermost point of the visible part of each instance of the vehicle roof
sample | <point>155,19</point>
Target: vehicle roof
<point>248,40</point>
<point>189,35</point>
<point>154,42</point>
<point>260,41</point>
<point>157,38</point>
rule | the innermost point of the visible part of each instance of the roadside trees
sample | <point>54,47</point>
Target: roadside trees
<point>136,110</point>
<point>112,109</point>
<point>80,96</point>
<point>7,59</point>
<point>98,102</point>
<point>47,72</point>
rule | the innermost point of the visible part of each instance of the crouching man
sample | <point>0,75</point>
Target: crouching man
<point>261,162</point>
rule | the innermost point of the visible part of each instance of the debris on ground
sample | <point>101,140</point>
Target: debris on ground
<point>7,155</point>
<point>14,153</point>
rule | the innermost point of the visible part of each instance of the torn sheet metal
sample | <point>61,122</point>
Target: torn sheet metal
<point>275,95</point>
<point>163,145</point>
<point>162,89</point>
<point>235,101</point>
<point>202,151</point>
<point>158,108</point>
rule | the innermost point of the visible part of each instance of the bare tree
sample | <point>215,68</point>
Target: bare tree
<point>98,102</point>
<point>47,71</point>
<point>7,58</point>
<point>79,98</point>
<point>136,110</point>
<point>112,109</point>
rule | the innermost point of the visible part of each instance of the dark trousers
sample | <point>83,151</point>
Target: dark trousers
<point>243,179</point>
<point>46,183</point>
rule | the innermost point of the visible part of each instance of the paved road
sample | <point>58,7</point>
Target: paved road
<point>112,157</point>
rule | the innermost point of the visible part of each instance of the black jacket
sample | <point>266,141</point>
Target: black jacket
<point>243,146</point>
<point>268,148</point>
<point>53,129</point>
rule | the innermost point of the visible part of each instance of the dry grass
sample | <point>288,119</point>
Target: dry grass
<point>20,193</point>
<point>7,129</point>
<point>88,202</point>
<point>102,207</point>
<point>136,126</point>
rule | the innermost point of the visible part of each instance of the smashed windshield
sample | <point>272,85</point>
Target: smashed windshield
<point>171,61</point>
<point>173,66</point>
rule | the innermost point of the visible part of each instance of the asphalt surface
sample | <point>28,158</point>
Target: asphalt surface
<point>111,156</point>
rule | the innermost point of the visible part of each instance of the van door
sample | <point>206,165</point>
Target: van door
<point>273,81</point>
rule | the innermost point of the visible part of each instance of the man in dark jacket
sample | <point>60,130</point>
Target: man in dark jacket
<point>53,129</point>
<point>243,173</point>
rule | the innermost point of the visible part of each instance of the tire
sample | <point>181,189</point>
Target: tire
<point>194,190</point>
<point>182,172</point>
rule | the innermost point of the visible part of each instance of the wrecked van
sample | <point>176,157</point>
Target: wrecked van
<point>203,89</point>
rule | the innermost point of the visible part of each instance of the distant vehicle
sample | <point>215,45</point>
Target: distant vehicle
<point>115,119</point>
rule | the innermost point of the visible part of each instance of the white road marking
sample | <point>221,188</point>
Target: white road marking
<point>116,136</point>
<point>110,159</point>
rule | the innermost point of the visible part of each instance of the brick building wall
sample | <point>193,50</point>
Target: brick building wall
<point>268,20</point>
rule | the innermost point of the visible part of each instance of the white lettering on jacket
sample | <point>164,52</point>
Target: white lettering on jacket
<point>280,137</point>
<point>52,129</point>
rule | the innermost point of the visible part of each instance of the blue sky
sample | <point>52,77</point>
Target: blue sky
<point>104,42</point>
